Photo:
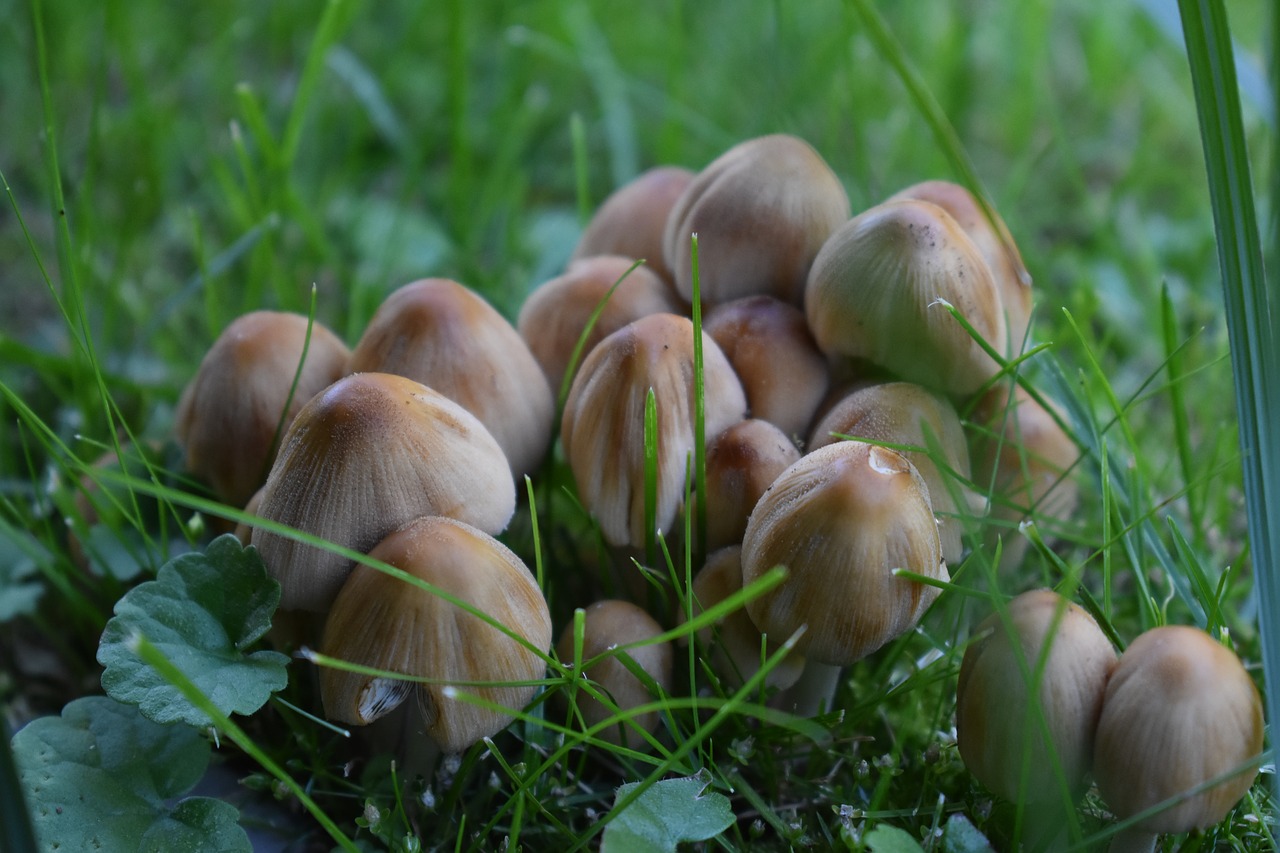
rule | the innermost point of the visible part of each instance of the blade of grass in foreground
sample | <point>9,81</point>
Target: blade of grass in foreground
<point>1251,326</point>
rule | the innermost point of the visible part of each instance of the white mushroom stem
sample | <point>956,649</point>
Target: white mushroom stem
<point>400,733</point>
<point>814,693</point>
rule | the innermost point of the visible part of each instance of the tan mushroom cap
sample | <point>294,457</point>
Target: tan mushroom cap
<point>632,220</point>
<point>742,462</point>
<point>603,426</point>
<point>998,713</point>
<point>554,316</point>
<point>996,244</point>
<point>761,211</point>
<point>783,372</point>
<point>841,520</point>
<point>875,293</point>
<point>444,335</point>
<point>363,457</point>
<point>1179,710</point>
<point>907,414</point>
<point>228,413</point>
<point>609,624</point>
<point>385,623</point>
<point>735,645</point>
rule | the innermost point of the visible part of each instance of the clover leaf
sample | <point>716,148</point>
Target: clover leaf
<point>202,611</point>
<point>99,777</point>
<point>667,813</point>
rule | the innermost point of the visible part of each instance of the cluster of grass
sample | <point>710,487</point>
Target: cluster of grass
<point>168,168</point>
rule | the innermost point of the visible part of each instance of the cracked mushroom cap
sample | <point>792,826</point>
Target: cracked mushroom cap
<point>875,294</point>
<point>999,702</point>
<point>1179,710</point>
<point>446,336</point>
<point>908,414</point>
<point>603,426</point>
<point>385,623</point>
<point>761,211</point>
<point>841,520</point>
<point>366,455</point>
<point>228,414</point>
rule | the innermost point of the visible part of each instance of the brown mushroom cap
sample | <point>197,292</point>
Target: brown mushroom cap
<point>742,461</point>
<point>382,622</point>
<point>228,414</point>
<point>735,644</point>
<point>363,457</point>
<point>841,520</point>
<point>908,414</point>
<point>875,291</point>
<point>1000,704</point>
<point>444,335</point>
<point>632,220</point>
<point>761,212</point>
<point>994,241</point>
<point>603,426</point>
<point>783,372</point>
<point>1179,710</point>
<point>609,624</point>
<point>555,314</point>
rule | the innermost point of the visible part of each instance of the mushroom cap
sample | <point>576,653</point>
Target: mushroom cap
<point>609,624</point>
<point>761,211</point>
<point>841,520</point>
<point>631,221</point>
<point>366,455</point>
<point>382,622</point>
<point>1179,710</point>
<point>996,244</point>
<point>998,728</point>
<point>603,425</point>
<point>783,373</point>
<point>735,643</point>
<point>556,313</point>
<point>742,461</point>
<point>228,413</point>
<point>444,335</point>
<point>908,414</point>
<point>874,293</point>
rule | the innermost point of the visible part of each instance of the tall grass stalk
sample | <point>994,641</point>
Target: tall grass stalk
<point>1250,307</point>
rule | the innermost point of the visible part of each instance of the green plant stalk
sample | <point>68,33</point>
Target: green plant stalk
<point>1251,323</point>
<point>155,658</point>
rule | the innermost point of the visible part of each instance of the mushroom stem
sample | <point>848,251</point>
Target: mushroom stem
<point>400,733</point>
<point>1133,840</point>
<point>815,691</point>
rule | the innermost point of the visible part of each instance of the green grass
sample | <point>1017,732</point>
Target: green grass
<point>167,168</point>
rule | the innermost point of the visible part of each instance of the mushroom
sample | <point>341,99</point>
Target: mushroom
<point>783,372</point>
<point>554,316</point>
<point>734,646</point>
<point>1027,703</point>
<point>603,426</point>
<point>990,234</point>
<point>903,413</point>
<point>1024,458</point>
<point>233,409</point>
<point>741,462</point>
<point>607,625</point>
<point>761,211</point>
<point>841,520</point>
<point>876,289</point>
<point>382,622</point>
<point>1179,712</point>
<point>631,221</point>
<point>444,335</point>
<point>366,455</point>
